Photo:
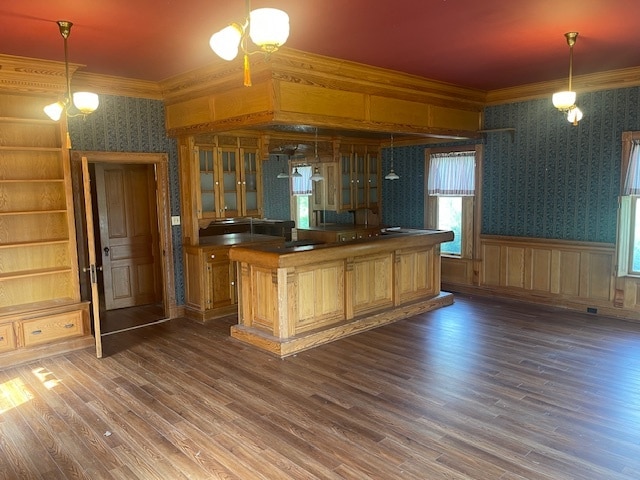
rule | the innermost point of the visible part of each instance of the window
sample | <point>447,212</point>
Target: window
<point>451,191</point>
<point>301,191</point>
<point>628,242</point>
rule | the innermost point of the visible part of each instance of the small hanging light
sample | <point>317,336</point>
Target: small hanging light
<point>391,175</point>
<point>317,176</point>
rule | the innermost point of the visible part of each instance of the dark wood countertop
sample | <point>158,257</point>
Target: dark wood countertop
<point>281,256</point>
<point>230,239</point>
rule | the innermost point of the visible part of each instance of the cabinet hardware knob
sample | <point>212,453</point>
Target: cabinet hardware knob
<point>233,283</point>
<point>69,325</point>
<point>36,332</point>
<point>213,256</point>
<point>1,339</point>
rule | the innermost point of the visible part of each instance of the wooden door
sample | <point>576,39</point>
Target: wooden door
<point>128,234</point>
<point>91,252</point>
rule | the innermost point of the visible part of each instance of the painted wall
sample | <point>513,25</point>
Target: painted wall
<point>124,124</point>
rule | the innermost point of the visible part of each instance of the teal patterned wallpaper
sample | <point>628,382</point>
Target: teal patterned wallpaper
<point>124,124</point>
<point>554,180</point>
<point>549,180</point>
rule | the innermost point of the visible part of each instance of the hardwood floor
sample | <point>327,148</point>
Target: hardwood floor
<point>483,389</point>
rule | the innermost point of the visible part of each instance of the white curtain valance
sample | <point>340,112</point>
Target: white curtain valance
<point>452,174</point>
<point>632,181</point>
<point>302,185</point>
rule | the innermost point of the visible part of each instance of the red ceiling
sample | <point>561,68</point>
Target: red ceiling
<point>486,44</point>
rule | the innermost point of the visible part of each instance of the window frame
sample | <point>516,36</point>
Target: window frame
<point>625,231</point>
<point>469,244</point>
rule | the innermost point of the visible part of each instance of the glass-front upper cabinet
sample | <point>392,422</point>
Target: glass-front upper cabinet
<point>346,181</point>
<point>231,185</point>
<point>251,178</point>
<point>373,180</point>
<point>360,180</point>
<point>207,205</point>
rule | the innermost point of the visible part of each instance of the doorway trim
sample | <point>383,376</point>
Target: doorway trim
<point>163,208</point>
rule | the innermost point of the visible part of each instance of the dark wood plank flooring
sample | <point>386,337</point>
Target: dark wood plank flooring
<point>483,389</point>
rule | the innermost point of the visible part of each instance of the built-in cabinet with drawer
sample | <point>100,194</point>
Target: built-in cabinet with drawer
<point>210,282</point>
<point>230,177</point>
<point>210,277</point>
<point>39,285</point>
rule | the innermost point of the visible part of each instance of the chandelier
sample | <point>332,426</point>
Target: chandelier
<point>83,103</point>
<point>565,101</point>
<point>268,29</point>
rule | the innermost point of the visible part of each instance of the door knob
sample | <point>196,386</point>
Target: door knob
<point>106,251</point>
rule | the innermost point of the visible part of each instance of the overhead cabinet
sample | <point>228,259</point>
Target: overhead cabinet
<point>352,183</point>
<point>230,178</point>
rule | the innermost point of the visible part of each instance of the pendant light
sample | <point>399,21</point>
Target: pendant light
<point>268,29</point>
<point>317,176</point>
<point>391,175</point>
<point>78,104</point>
<point>282,173</point>
<point>296,173</point>
<point>565,101</point>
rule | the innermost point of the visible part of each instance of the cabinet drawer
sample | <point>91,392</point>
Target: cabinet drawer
<point>7,338</point>
<point>48,329</point>
<point>218,255</point>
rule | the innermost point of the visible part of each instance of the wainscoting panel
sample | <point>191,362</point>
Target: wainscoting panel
<point>578,275</point>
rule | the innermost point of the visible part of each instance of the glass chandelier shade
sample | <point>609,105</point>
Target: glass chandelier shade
<point>268,28</point>
<point>564,100</point>
<point>226,42</point>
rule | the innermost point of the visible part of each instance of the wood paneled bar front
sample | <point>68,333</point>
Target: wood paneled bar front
<point>292,299</point>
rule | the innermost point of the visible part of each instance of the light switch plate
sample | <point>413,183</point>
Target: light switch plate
<point>175,219</point>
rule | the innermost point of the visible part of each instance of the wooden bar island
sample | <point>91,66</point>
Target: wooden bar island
<point>295,298</point>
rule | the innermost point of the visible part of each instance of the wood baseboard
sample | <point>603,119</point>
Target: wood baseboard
<point>285,347</point>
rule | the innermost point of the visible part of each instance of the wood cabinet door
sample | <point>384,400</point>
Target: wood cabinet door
<point>251,183</point>
<point>231,182</point>
<point>373,180</point>
<point>208,182</point>
<point>128,232</point>
<point>220,283</point>
<point>346,182</point>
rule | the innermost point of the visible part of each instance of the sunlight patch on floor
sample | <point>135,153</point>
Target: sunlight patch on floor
<point>13,393</point>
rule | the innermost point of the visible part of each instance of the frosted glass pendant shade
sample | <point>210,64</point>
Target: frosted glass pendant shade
<point>226,42</point>
<point>54,111</point>
<point>574,115</point>
<point>391,175</point>
<point>317,176</point>
<point>86,102</point>
<point>564,100</point>
<point>268,28</point>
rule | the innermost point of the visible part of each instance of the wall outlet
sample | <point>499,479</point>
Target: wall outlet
<point>175,219</point>
<point>592,310</point>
